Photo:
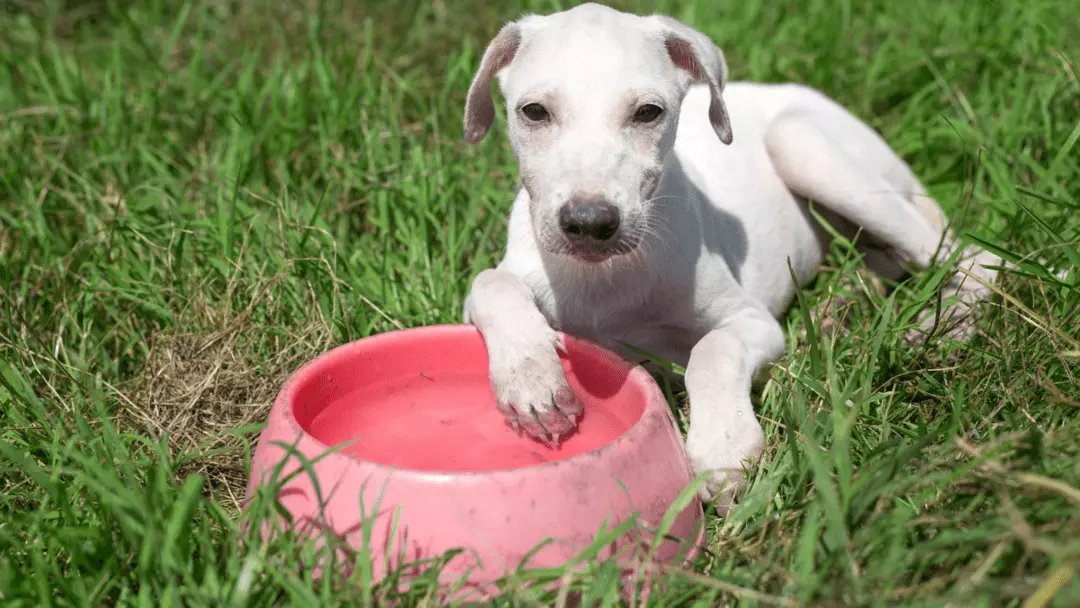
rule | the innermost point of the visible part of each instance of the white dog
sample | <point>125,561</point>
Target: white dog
<point>663,213</point>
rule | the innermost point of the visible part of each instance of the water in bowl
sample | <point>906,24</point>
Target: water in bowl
<point>449,422</point>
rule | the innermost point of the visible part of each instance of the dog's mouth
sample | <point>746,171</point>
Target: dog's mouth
<point>597,252</point>
<point>590,255</point>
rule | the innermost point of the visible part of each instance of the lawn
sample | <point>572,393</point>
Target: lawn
<point>197,197</point>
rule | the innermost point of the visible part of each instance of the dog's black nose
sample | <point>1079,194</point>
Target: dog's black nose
<point>598,220</point>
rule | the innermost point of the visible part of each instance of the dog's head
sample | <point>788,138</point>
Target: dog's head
<point>593,98</point>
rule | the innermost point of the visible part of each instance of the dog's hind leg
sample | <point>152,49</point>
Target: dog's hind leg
<point>906,223</point>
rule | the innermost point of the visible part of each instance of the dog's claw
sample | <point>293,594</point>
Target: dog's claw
<point>555,440</point>
<point>560,346</point>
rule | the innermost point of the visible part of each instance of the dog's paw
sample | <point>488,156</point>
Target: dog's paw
<point>530,387</point>
<point>961,295</point>
<point>725,454</point>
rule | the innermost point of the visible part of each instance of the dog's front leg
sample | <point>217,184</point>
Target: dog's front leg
<point>724,432</point>
<point>523,350</point>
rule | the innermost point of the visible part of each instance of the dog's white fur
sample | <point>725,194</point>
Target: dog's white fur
<point>699,270</point>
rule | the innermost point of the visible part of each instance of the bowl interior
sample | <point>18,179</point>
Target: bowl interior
<point>421,399</point>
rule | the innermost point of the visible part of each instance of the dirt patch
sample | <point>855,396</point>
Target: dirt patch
<point>201,387</point>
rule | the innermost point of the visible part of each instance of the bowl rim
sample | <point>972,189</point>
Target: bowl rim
<point>654,400</point>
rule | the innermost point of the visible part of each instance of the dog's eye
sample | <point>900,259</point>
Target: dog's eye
<point>535,112</point>
<point>648,113</point>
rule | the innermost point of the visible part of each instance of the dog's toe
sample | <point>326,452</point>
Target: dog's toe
<point>554,418</point>
<point>722,490</point>
<point>568,405</point>
<point>722,487</point>
<point>532,425</point>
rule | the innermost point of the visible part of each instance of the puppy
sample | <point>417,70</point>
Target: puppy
<point>662,207</point>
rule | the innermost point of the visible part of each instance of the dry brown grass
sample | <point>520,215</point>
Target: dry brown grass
<point>205,379</point>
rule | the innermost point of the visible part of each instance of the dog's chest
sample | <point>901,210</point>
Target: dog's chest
<point>648,319</point>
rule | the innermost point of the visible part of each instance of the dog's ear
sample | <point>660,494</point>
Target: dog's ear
<point>479,109</point>
<point>696,54</point>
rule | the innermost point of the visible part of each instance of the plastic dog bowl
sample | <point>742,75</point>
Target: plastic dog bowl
<point>436,467</point>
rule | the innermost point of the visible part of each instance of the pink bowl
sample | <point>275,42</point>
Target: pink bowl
<point>437,467</point>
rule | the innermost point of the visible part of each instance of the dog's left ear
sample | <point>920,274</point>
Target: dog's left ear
<point>696,54</point>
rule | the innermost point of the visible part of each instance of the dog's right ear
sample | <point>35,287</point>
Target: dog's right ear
<point>479,109</point>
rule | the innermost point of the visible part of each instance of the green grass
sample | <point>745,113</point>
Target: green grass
<point>197,197</point>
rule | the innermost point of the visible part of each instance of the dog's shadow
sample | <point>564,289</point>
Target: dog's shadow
<point>719,232</point>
